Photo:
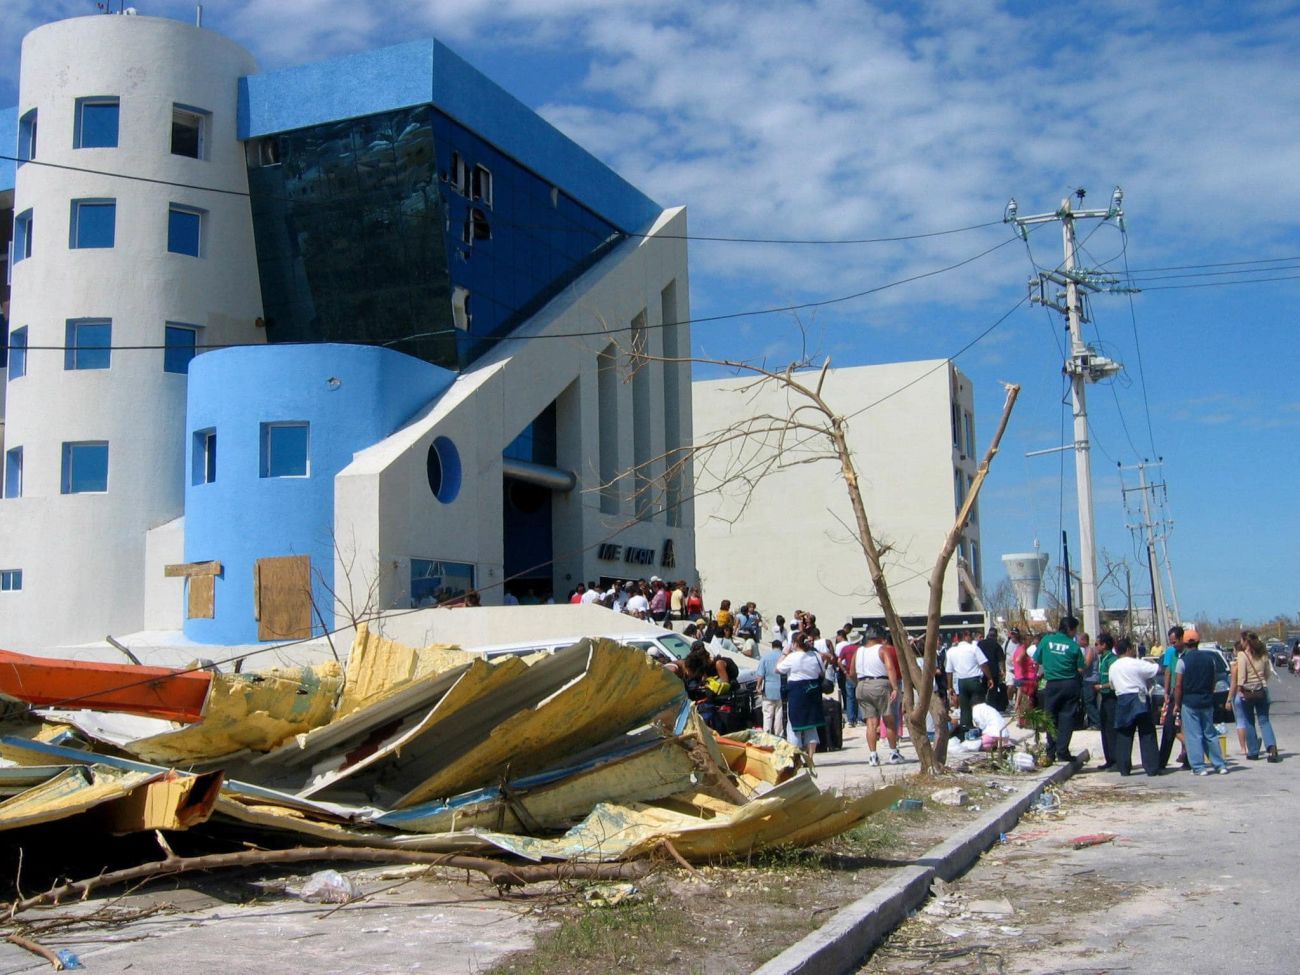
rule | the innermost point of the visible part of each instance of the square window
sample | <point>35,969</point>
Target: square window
<point>22,243</point>
<point>184,230</point>
<point>180,344</point>
<point>285,449</point>
<point>189,131</point>
<point>203,464</point>
<point>85,468</point>
<point>96,126</point>
<point>18,353</point>
<point>11,580</point>
<point>94,223</point>
<point>14,472</point>
<point>88,344</point>
<point>27,137</point>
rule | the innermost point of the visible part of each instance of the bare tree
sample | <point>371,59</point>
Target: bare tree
<point>809,430</point>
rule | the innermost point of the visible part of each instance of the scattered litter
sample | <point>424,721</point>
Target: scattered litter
<point>953,930</point>
<point>1000,907</point>
<point>328,887</point>
<point>68,958</point>
<point>1002,837</point>
<point>612,895</point>
<point>1023,762</point>
<point>1047,802</point>
<point>908,805</point>
<point>1010,932</point>
<point>1092,839</point>
<point>955,796</point>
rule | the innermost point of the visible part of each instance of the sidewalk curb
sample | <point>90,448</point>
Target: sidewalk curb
<point>843,942</point>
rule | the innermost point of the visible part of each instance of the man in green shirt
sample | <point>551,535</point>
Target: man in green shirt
<point>1106,696</point>
<point>1060,662</point>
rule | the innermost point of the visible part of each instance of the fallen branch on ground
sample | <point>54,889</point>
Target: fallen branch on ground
<point>502,875</point>
<point>36,949</point>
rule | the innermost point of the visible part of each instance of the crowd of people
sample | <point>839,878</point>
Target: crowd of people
<point>809,681</point>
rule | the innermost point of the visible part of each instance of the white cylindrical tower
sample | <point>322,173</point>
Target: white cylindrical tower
<point>140,236</point>
<point>1025,570</point>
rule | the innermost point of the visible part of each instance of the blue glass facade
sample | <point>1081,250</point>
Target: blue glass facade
<point>405,229</point>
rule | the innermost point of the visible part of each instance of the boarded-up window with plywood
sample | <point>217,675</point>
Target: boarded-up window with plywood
<point>201,576</point>
<point>282,597</point>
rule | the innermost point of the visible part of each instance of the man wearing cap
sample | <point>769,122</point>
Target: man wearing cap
<point>878,680</point>
<point>1194,698</point>
<point>1060,661</point>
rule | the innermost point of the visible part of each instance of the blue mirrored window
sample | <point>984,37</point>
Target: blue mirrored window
<point>11,580</point>
<point>88,344</point>
<point>184,230</point>
<point>285,449</point>
<point>27,137</point>
<point>94,223</point>
<point>22,236</point>
<point>85,467</point>
<point>14,472</point>
<point>180,343</point>
<point>434,581</point>
<point>18,353</point>
<point>203,463</point>
<point>97,120</point>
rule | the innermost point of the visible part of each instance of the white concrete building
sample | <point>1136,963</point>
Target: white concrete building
<point>288,346</point>
<point>788,542</point>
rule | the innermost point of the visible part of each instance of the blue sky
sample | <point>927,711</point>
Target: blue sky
<point>838,119</point>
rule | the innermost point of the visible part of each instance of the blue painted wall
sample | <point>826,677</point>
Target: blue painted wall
<point>424,72</point>
<point>241,516</point>
<point>8,146</point>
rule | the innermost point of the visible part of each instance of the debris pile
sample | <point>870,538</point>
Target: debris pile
<point>588,756</point>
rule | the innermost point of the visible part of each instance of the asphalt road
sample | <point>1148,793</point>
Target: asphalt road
<point>1199,877</point>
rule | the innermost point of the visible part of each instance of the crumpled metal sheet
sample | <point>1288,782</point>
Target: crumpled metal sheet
<point>794,813</point>
<point>379,667</point>
<point>619,689</point>
<point>123,801</point>
<point>248,712</point>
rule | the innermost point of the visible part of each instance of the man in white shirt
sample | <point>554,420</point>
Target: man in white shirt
<point>637,605</point>
<point>877,673</point>
<point>591,595</point>
<point>1130,680</point>
<point>969,678</point>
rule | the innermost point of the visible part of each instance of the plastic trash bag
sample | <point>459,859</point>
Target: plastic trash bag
<point>328,887</point>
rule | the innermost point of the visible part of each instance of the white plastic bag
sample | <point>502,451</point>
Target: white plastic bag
<point>328,887</point>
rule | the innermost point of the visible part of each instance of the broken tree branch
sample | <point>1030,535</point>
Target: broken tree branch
<point>36,949</point>
<point>502,875</point>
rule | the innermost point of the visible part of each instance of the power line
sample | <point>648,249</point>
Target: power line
<point>819,303</point>
<point>1220,284</point>
<point>496,218</point>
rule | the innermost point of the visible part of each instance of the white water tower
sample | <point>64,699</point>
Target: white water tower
<point>1025,569</point>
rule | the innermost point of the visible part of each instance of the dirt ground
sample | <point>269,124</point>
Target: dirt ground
<point>1037,903</point>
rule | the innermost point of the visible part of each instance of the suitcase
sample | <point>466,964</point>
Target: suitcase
<point>830,736</point>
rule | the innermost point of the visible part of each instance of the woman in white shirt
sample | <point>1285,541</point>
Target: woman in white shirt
<point>804,668</point>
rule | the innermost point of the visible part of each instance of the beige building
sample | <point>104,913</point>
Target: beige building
<point>787,541</point>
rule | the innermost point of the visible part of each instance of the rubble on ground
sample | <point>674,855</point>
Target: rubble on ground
<point>590,755</point>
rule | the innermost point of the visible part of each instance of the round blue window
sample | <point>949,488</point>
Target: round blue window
<point>443,468</point>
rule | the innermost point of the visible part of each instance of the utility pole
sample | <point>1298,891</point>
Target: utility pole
<point>1082,364</point>
<point>1148,530</point>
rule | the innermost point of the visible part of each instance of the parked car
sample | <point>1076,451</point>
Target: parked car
<point>1280,654</point>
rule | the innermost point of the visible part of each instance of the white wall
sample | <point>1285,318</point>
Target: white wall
<point>83,556</point>
<point>793,544</point>
<point>382,500</point>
